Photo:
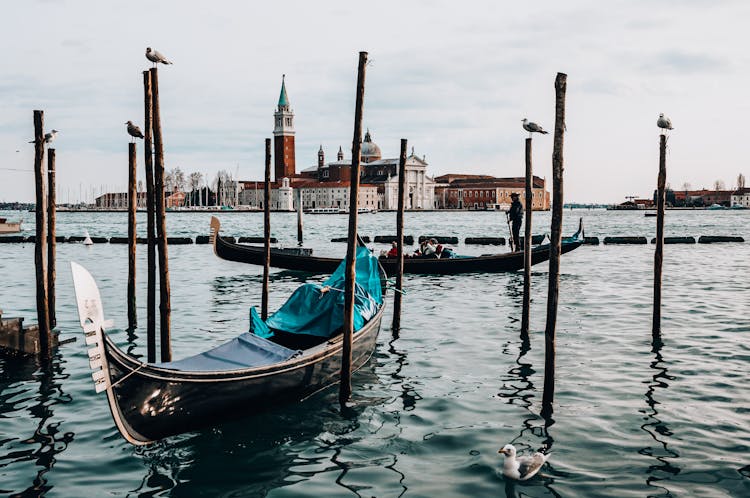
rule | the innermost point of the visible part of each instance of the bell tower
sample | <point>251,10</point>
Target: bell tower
<point>283,137</point>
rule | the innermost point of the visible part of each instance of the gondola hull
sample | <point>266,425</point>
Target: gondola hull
<point>151,403</point>
<point>493,263</point>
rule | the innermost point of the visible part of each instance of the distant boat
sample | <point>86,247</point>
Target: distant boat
<point>649,215</point>
<point>716,207</point>
<point>9,226</point>
<point>328,210</point>
<point>738,206</point>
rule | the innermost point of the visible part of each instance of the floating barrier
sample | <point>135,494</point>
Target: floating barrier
<point>202,239</point>
<point>711,239</point>
<point>535,240</point>
<point>365,239</point>
<point>676,240</point>
<point>176,241</point>
<point>442,239</point>
<point>485,241</point>
<point>591,241</point>
<point>8,239</point>
<point>387,239</point>
<point>229,238</point>
<point>625,240</point>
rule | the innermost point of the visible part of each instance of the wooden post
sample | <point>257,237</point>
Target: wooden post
<point>150,222</point>
<point>399,241</point>
<point>51,242</point>
<point>266,232</point>
<point>529,201</point>
<point>165,308</point>
<point>40,246</point>
<point>555,243</point>
<point>299,217</point>
<point>659,252</point>
<point>345,390</point>
<point>132,198</point>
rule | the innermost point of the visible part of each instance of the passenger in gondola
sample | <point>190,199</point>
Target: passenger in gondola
<point>515,217</point>
<point>393,253</point>
<point>428,249</point>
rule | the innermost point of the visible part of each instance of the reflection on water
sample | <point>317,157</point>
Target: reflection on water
<point>48,440</point>
<point>658,430</point>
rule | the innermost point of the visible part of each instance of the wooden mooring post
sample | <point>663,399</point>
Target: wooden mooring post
<point>555,243</point>
<point>51,237</point>
<point>150,222</point>
<point>165,308</point>
<point>40,246</point>
<point>396,327</point>
<point>132,206</point>
<point>266,232</point>
<point>299,217</point>
<point>659,250</point>
<point>345,388</point>
<point>527,239</point>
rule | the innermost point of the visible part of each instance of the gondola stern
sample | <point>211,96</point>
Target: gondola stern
<point>214,235</point>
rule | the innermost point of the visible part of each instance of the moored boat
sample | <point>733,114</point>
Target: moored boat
<point>293,354</point>
<point>9,226</point>
<point>489,263</point>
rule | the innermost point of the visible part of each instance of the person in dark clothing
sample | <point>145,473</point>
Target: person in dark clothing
<point>515,216</point>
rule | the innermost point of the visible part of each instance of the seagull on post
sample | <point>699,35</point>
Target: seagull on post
<point>664,122</point>
<point>156,57</point>
<point>134,131</point>
<point>48,137</point>
<point>532,127</point>
<point>523,467</point>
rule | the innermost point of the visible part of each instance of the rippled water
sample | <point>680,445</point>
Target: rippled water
<point>433,406</point>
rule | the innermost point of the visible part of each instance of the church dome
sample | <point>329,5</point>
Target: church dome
<point>370,150</point>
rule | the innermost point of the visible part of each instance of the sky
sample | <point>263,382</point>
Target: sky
<point>454,78</point>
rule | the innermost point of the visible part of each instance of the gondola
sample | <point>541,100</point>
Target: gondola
<point>293,354</point>
<point>488,263</point>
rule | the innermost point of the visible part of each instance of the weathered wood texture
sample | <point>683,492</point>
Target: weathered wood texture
<point>266,231</point>
<point>165,307</point>
<point>659,250</point>
<point>51,238</point>
<point>150,222</point>
<point>399,240</point>
<point>40,247</point>
<point>346,353</point>
<point>527,239</point>
<point>555,243</point>
<point>299,217</point>
<point>132,206</point>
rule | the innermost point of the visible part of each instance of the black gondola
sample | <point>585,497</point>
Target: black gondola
<point>248,374</point>
<point>489,263</point>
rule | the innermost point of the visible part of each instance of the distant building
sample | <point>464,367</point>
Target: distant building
<point>118,200</point>
<point>456,191</point>
<point>697,198</point>
<point>741,197</point>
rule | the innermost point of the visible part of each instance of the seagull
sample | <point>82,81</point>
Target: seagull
<point>156,57</point>
<point>48,137</point>
<point>524,467</point>
<point>133,130</point>
<point>532,127</point>
<point>664,122</point>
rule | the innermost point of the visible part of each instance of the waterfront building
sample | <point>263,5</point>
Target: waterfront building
<point>283,137</point>
<point>741,197</point>
<point>456,191</point>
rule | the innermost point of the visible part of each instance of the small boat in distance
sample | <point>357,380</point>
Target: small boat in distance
<point>487,263</point>
<point>328,210</point>
<point>293,354</point>
<point>9,226</point>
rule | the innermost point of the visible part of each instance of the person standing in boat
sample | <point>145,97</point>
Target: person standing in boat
<point>515,217</point>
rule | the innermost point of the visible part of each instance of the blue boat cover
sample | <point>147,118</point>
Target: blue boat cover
<point>244,351</point>
<point>318,309</point>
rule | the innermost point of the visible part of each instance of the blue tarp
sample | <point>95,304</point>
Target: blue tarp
<point>318,309</point>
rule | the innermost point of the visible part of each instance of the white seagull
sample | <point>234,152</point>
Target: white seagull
<point>155,56</point>
<point>532,127</point>
<point>48,137</point>
<point>521,468</point>
<point>133,130</point>
<point>664,122</point>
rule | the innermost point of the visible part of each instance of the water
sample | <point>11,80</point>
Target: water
<point>432,407</point>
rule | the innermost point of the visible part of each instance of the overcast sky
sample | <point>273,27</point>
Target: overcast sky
<point>454,78</point>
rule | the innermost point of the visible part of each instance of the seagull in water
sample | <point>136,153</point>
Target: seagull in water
<point>521,468</point>
<point>48,137</point>
<point>532,127</point>
<point>133,130</point>
<point>664,122</point>
<point>155,56</point>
